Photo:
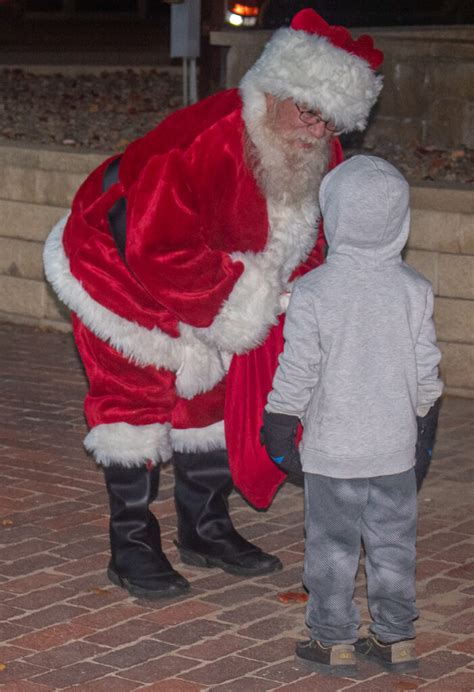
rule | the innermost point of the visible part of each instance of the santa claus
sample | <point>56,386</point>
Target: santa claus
<point>176,261</point>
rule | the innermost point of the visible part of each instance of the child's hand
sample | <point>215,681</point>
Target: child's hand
<point>424,445</point>
<point>278,435</point>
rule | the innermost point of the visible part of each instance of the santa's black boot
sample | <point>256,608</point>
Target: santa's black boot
<point>138,563</point>
<point>206,535</point>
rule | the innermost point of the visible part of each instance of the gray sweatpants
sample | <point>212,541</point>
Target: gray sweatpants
<point>338,514</point>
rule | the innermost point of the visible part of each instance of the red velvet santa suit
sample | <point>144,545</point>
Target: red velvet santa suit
<point>204,272</point>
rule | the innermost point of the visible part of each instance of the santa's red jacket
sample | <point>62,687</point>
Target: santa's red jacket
<point>207,262</point>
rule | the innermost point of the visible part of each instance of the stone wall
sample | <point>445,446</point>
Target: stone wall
<point>428,95</point>
<point>441,246</point>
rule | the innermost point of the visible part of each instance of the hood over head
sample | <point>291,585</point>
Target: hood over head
<point>365,204</point>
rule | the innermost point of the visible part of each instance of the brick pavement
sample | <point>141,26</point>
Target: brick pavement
<point>63,626</point>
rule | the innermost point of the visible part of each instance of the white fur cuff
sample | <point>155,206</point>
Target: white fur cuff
<point>199,439</point>
<point>129,445</point>
<point>251,309</point>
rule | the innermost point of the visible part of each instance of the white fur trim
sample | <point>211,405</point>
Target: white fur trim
<point>310,70</point>
<point>250,310</point>
<point>129,445</point>
<point>199,439</point>
<point>199,366</point>
<point>255,302</point>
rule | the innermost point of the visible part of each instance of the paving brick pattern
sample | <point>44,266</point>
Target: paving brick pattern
<point>64,626</point>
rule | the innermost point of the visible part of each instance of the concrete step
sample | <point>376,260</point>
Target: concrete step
<point>50,158</point>
<point>442,197</point>
<point>454,320</point>
<point>39,186</point>
<point>43,176</point>
<point>457,368</point>
<point>28,301</point>
<point>21,258</point>
<point>28,221</point>
<point>452,275</point>
<point>442,231</point>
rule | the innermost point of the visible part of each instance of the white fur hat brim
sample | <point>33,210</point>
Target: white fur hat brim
<point>309,69</point>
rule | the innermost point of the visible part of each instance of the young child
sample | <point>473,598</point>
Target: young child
<point>360,364</point>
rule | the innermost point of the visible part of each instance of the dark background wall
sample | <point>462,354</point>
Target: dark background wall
<point>373,12</point>
<point>279,12</point>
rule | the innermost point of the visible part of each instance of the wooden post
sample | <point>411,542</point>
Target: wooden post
<point>142,8</point>
<point>211,58</point>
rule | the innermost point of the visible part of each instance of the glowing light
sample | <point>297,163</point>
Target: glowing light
<point>245,10</point>
<point>235,19</point>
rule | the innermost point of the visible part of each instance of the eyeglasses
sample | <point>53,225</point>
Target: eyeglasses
<point>312,118</point>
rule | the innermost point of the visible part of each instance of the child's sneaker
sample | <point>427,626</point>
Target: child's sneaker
<point>338,659</point>
<point>398,657</point>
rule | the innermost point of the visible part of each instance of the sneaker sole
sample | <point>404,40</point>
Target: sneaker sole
<point>408,667</point>
<point>189,557</point>
<point>326,669</point>
<point>149,595</point>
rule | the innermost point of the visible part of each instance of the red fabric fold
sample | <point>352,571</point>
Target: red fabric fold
<point>166,249</point>
<point>248,384</point>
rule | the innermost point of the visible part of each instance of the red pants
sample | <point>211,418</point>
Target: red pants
<point>121,391</point>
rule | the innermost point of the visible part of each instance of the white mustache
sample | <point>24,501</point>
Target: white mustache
<point>301,137</point>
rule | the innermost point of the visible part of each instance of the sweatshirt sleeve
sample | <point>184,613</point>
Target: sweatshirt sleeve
<point>166,248</point>
<point>299,364</point>
<point>428,357</point>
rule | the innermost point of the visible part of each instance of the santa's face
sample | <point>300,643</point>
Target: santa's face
<point>285,121</point>
<point>288,159</point>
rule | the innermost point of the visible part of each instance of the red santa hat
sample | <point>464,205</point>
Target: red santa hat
<point>320,66</point>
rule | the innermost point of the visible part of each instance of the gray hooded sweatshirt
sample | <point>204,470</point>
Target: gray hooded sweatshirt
<point>360,358</point>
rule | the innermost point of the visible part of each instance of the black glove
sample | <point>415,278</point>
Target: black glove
<point>278,435</point>
<point>424,445</point>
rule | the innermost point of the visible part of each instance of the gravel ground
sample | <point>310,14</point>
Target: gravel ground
<point>104,112</point>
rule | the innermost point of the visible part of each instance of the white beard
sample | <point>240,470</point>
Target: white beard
<point>289,177</point>
<point>286,173</point>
